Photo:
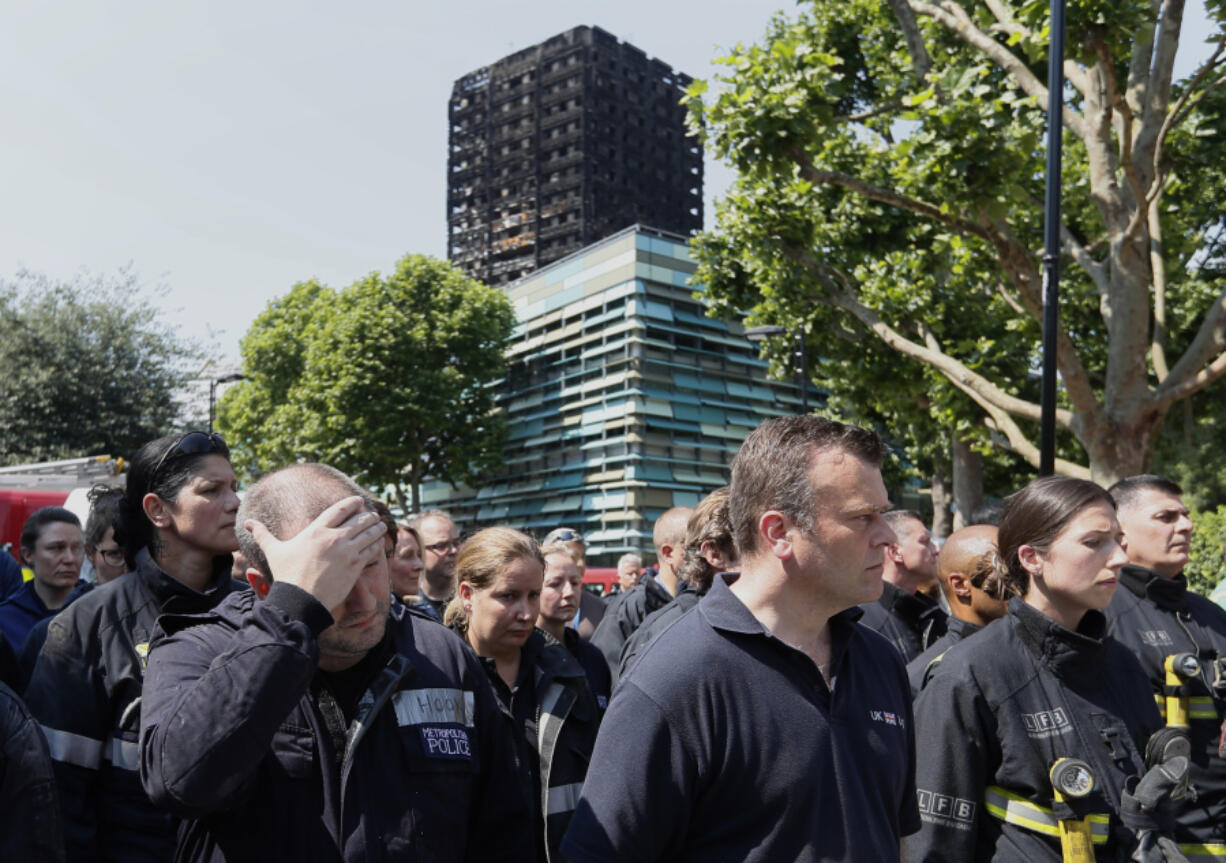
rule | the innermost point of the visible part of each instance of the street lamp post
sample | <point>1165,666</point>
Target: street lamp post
<point>1051,237</point>
<point>800,358</point>
<point>224,379</point>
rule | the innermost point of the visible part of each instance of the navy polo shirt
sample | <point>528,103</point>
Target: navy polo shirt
<point>742,753</point>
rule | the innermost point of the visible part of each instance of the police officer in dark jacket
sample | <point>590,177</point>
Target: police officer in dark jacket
<point>304,721</point>
<point>560,598</point>
<point>1155,616</point>
<point>542,689</point>
<point>85,689</point>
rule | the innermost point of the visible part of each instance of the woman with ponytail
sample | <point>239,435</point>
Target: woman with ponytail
<point>541,687</point>
<point>1034,731</point>
<point>176,524</point>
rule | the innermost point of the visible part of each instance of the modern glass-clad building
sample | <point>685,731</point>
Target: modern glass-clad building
<point>622,398</point>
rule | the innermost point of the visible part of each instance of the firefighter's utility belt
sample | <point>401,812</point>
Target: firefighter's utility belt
<point>1017,810</point>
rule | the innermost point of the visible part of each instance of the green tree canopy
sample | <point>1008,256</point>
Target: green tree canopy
<point>890,187</point>
<point>87,367</point>
<point>389,379</point>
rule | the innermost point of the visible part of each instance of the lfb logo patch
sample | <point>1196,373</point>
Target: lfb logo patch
<point>888,718</point>
<point>1045,723</point>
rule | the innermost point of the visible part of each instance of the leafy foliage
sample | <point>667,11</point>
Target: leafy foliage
<point>1205,567</point>
<point>388,380</point>
<point>889,198</point>
<point>86,368</point>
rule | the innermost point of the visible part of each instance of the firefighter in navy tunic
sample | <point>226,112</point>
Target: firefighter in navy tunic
<point>1042,690</point>
<point>1155,616</point>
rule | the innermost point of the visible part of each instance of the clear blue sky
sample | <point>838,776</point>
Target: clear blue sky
<point>230,149</point>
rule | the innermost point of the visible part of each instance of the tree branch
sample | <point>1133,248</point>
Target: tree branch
<point>838,287</point>
<point>1017,441</point>
<point>955,18</point>
<point>1202,363</point>
<point>1157,266</point>
<point>1006,23</point>
<point>1019,265</point>
<point>920,60</point>
<point>885,196</point>
<point>1158,92</point>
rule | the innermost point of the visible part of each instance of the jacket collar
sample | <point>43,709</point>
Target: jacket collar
<point>1170,594</point>
<point>961,628</point>
<point>912,607</point>
<point>1065,651</point>
<point>174,597</point>
<point>724,611</point>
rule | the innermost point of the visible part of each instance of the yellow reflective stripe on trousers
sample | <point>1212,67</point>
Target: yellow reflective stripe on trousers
<point>1017,810</point>
<point>1196,853</point>
<point>1199,707</point>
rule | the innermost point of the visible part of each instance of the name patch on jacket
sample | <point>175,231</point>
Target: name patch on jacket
<point>445,742</point>
<point>434,707</point>
<point>1156,638</point>
<point>1046,723</point>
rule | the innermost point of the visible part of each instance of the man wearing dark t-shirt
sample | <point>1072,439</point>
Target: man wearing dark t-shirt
<point>767,724</point>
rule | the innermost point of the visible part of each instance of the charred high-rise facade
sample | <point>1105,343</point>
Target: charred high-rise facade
<point>562,144</point>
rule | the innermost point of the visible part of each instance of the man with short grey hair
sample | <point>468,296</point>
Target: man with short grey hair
<point>629,571</point>
<point>307,720</point>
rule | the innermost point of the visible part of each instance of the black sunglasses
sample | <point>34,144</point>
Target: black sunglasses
<point>193,443</point>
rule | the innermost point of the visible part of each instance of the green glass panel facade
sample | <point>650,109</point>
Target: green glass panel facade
<point>622,398</point>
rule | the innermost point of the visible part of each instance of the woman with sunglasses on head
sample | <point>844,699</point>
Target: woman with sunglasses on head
<point>540,686</point>
<point>177,526</point>
<point>1035,731</point>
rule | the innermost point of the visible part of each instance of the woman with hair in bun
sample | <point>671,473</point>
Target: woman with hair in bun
<point>1035,731</point>
<point>541,687</point>
<point>176,524</point>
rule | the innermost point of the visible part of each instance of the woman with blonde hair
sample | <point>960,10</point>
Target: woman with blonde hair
<point>542,688</point>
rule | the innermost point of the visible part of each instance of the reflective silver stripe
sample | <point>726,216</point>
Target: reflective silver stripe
<point>564,798</point>
<point>1206,853</point>
<point>123,753</point>
<point>69,748</point>
<point>422,706</point>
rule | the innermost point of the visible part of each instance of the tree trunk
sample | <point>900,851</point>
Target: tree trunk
<point>968,481</point>
<point>415,484</point>
<point>1123,446</point>
<point>940,504</point>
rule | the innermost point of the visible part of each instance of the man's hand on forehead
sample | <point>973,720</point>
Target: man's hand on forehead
<point>326,557</point>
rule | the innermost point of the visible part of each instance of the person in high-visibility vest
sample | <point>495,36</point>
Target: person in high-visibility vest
<point>1042,685</point>
<point>1180,639</point>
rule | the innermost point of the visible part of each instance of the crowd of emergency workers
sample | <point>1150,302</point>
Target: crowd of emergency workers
<point>799,675</point>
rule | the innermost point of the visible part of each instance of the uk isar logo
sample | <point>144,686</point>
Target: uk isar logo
<point>1046,723</point>
<point>888,718</point>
